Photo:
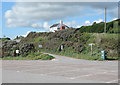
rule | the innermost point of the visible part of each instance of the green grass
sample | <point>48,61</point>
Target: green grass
<point>46,57</point>
<point>113,58</point>
<point>36,56</point>
<point>83,56</point>
<point>107,35</point>
<point>18,58</point>
<point>75,55</point>
<point>80,55</point>
<point>107,42</point>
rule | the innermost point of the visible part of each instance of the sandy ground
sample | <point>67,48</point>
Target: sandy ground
<point>60,70</point>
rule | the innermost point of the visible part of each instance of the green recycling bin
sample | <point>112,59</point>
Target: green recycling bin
<point>103,56</point>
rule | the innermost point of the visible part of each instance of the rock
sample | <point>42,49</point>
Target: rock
<point>8,48</point>
<point>78,47</point>
<point>26,49</point>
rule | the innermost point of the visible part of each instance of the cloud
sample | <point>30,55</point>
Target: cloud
<point>26,34</point>
<point>46,26</point>
<point>114,19</point>
<point>24,14</point>
<point>98,21</point>
<point>78,26</point>
<point>60,0</point>
<point>71,24</point>
<point>36,25</point>
<point>87,22</point>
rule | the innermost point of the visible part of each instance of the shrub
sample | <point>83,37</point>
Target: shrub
<point>46,57</point>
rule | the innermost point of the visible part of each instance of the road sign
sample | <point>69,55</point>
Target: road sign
<point>40,46</point>
<point>61,47</point>
<point>17,51</point>
<point>103,55</point>
<point>91,44</point>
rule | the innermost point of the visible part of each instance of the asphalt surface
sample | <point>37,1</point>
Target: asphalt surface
<point>60,70</point>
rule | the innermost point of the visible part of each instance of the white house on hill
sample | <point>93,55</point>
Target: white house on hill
<point>59,26</point>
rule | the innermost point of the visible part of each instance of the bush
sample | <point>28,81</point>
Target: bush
<point>46,57</point>
<point>30,57</point>
<point>37,53</point>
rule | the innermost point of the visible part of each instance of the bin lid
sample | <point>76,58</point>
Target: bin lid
<point>102,51</point>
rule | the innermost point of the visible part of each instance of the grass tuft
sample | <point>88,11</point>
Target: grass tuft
<point>35,56</point>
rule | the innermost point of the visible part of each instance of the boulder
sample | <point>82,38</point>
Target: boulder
<point>8,48</point>
<point>26,49</point>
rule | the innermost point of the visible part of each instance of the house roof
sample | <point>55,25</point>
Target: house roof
<point>54,25</point>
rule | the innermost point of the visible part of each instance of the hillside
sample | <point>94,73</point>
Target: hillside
<point>112,27</point>
<point>75,42</point>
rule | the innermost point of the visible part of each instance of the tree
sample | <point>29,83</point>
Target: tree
<point>94,23</point>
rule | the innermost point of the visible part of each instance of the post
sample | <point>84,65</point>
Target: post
<point>91,50</point>
<point>105,22</point>
<point>91,47</point>
<point>61,47</point>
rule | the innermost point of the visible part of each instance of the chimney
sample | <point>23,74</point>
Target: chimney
<point>61,22</point>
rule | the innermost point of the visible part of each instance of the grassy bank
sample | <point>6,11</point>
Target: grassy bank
<point>75,55</point>
<point>77,45</point>
<point>35,56</point>
<point>81,56</point>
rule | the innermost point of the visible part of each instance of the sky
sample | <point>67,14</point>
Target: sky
<point>20,18</point>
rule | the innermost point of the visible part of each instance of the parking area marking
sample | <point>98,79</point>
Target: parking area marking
<point>81,76</point>
<point>90,75</point>
<point>112,81</point>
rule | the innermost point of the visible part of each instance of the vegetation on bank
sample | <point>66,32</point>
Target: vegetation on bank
<point>81,56</point>
<point>75,42</point>
<point>4,39</point>
<point>32,56</point>
<point>75,55</point>
<point>112,27</point>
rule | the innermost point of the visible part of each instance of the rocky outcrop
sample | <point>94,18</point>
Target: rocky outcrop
<point>26,49</point>
<point>9,48</point>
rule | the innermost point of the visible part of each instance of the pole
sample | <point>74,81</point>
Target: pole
<point>91,49</point>
<point>105,21</point>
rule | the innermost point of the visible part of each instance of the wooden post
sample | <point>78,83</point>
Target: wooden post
<point>91,49</point>
<point>105,21</point>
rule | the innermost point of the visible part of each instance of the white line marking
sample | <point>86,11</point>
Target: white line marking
<point>91,75</point>
<point>54,59</point>
<point>81,76</point>
<point>72,78</point>
<point>105,72</point>
<point>42,74</point>
<point>62,71</point>
<point>112,81</point>
<point>17,71</point>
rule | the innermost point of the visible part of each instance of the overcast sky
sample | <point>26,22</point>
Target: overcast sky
<point>20,18</point>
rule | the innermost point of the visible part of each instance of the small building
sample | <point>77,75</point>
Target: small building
<point>59,26</point>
